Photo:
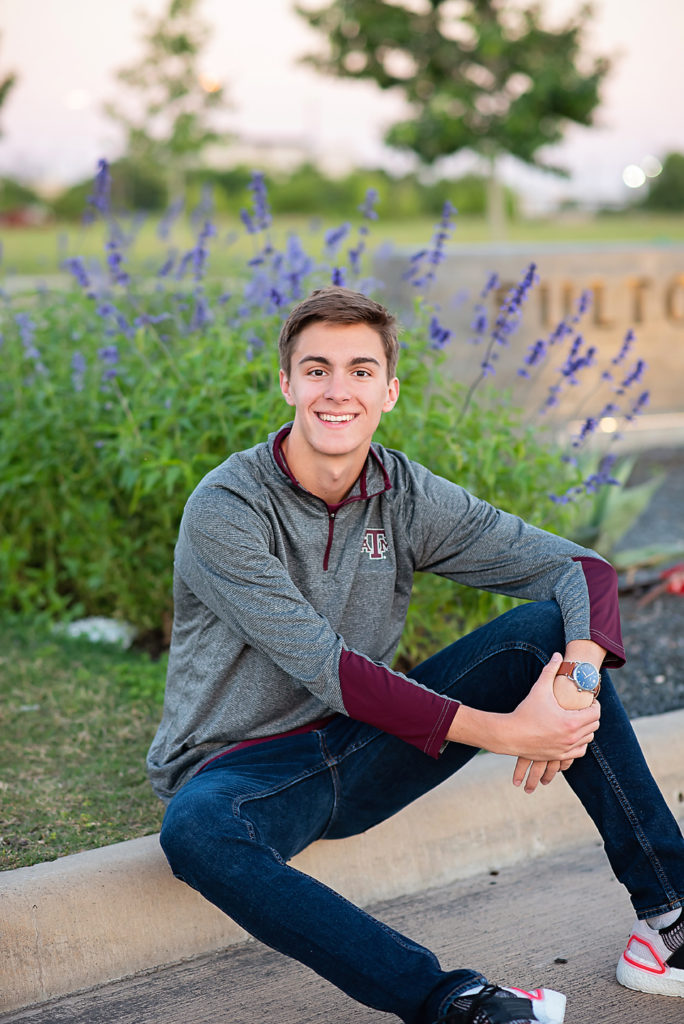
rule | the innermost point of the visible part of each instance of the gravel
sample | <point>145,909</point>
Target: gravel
<point>652,681</point>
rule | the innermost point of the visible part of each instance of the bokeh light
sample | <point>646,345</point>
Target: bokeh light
<point>651,166</point>
<point>633,176</point>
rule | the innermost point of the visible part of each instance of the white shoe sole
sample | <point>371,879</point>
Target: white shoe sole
<point>669,983</point>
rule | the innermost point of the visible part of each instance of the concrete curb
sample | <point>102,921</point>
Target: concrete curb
<point>106,914</point>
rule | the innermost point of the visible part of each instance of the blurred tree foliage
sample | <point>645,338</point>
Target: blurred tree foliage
<point>304,190</point>
<point>14,195</point>
<point>135,186</point>
<point>480,75</point>
<point>666,192</point>
<point>169,117</point>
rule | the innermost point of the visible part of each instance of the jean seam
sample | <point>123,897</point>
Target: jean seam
<point>632,817</point>
<point>262,794</point>
<point>331,764</point>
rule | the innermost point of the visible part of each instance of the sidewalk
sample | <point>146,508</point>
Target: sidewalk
<point>96,917</point>
<point>560,921</point>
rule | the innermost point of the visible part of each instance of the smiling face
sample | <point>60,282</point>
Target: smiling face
<point>339,388</point>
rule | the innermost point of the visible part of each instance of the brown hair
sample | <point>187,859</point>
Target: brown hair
<point>336,305</point>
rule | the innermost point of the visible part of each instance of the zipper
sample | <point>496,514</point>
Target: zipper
<point>331,527</point>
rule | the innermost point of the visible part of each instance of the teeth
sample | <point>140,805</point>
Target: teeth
<point>334,419</point>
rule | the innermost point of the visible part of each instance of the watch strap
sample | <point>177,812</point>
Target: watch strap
<point>566,669</point>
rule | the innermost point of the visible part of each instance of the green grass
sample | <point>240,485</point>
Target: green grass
<point>76,720</point>
<point>37,251</point>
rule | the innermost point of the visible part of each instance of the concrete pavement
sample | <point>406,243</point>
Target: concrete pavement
<point>102,916</point>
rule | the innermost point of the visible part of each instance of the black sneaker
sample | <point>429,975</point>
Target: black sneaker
<point>653,960</point>
<point>490,1004</point>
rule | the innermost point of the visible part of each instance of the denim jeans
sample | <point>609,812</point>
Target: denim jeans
<point>230,831</point>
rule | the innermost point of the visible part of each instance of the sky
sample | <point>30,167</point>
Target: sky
<point>66,52</point>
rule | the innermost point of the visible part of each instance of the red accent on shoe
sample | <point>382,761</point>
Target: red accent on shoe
<point>537,994</point>
<point>661,969</point>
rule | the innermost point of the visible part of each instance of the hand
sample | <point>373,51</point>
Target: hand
<point>545,737</point>
<point>539,771</point>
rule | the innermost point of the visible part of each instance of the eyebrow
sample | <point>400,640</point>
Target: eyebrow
<point>356,361</point>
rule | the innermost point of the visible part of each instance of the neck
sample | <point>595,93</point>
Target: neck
<point>329,477</point>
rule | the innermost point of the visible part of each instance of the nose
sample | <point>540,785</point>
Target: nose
<point>337,389</point>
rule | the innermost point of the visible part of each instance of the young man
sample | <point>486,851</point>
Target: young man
<point>283,722</point>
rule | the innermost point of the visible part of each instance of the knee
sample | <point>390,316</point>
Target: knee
<point>201,838</point>
<point>540,623</point>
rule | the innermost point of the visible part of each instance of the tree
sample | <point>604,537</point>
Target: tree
<point>666,191</point>
<point>6,85</point>
<point>479,75</point>
<point>169,122</point>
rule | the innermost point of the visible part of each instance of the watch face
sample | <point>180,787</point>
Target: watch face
<point>586,676</point>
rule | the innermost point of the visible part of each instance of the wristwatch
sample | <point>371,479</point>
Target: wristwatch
<point>584,675</point>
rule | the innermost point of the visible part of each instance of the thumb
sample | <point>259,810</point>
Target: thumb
<point>550,670</point>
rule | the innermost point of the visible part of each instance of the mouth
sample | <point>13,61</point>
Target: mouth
<point>329,417</point>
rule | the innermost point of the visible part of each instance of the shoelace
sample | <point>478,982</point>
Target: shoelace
<point>454,1015</point>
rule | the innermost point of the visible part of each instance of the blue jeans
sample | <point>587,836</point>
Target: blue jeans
<point>230,831</point>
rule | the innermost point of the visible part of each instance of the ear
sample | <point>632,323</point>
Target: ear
<point>392,395</point>
<point>285,388</point>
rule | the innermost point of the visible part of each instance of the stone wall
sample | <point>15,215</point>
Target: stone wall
<point>637,287</point>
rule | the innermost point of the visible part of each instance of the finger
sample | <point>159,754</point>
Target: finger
<point>534,775</point>
<point>564,765</point>
<point>550,670</point>
<point>552,769</point>
<point>520,770</point>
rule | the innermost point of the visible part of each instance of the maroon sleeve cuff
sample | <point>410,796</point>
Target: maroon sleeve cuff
<point>604,624</point>
<point>374,694</point>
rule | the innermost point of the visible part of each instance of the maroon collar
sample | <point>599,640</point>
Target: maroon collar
<point>281,462</point>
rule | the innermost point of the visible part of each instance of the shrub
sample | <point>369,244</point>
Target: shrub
<point>120,393</point>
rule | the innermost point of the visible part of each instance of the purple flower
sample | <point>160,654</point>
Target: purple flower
<point>78,369</point>
<point>166,223</point>
<point>635,374</point>
<point>439,335</point>
<point>115,262</point>
<point>335,237</point>
<point>168,265</point>
<point>588,428</point>
<point>338,277</point>
<point>201,313</point>
<point>491,283</point>
<point>434,255</point>
<point>109,355</point>
<point>480,324</point>
<point>205,207</point>
<point>510,313</point>
<point>627,344</point>
<point>535,354</point>
<point>76,267</point>
<point>102,187</point>
<point>583,304</point>
<point>27,331</point>
<point>367,207</point>
<point>639,406</point>
<point>261,218</point>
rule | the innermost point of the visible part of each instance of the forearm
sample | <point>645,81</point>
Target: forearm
<point>539,729</point>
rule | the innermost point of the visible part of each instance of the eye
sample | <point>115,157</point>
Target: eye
<point>316,371</point>
<point>362,373</point>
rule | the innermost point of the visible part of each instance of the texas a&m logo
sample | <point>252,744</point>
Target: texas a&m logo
<point>374,544</point>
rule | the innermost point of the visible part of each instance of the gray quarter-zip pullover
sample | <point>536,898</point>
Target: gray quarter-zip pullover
<point>288,610</point>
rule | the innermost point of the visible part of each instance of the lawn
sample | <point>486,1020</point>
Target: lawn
<point>42,250</point>
<point>76,719</point>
